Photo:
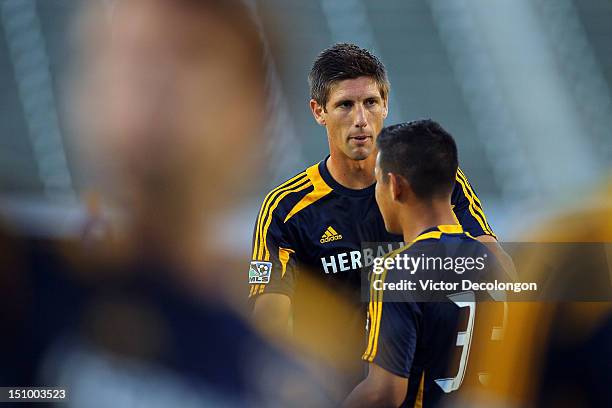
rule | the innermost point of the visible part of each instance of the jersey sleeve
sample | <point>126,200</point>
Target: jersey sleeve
<point>393,324</point>
<point>273,264</point>
<point>393,336</point>
<point>468,208</point>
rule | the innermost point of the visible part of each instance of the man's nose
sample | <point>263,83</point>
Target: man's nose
<point>360,116</point>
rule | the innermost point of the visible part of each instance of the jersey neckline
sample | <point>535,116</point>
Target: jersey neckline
<point>339,188</point>
<point>444,229</point>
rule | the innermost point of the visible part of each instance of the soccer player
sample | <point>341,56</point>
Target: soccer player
<point>419,350</point>
<point>311,227</point>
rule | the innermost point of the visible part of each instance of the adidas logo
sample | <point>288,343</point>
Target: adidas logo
<point>330,235</point>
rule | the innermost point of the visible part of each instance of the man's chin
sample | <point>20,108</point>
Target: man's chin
<point>360,154</point>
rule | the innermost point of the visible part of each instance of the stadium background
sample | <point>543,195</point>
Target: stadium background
<point>525,87</point>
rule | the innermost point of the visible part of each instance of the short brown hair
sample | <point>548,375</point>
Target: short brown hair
<point>344,61</point>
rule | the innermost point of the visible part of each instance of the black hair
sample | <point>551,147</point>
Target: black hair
<point>423,153</point>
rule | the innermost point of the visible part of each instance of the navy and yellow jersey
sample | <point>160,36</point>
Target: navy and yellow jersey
<point>428,342</point>
<point>312,223</point>
<point>309,234</point>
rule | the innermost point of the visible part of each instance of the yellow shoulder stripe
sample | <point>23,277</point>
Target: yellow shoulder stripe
<point>376,299</point>
<point>375,311</point>
<point>451,229</point>
<point>263,211</point>
<point>462,174</point>
<point>321,189</point>
<point>263,250</point>
<point>428,235</point>
<point>474,203</point>
<point>477,202</point>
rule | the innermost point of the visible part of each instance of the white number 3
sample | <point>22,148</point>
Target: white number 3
<point>464,339</point>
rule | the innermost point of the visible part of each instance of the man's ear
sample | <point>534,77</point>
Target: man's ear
<point>318,112</point>
<point>385,107</point>
<point>395,182</point>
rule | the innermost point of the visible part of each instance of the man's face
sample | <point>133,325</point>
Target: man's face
<point>353,116</point>
<point>384,198</point>
<point>173,105</point>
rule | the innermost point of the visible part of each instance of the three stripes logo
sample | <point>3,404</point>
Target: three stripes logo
<point>330,235</point>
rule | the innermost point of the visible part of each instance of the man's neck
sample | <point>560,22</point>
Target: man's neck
<point>353,174</point>
<point>416,218</point>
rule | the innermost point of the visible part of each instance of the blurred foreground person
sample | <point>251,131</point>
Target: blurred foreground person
<point>168,107</point>
<point>559,353</point>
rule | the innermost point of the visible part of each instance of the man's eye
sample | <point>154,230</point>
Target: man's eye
<point>346,104</point>
<point>370,102</point>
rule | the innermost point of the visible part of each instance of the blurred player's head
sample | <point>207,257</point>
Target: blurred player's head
<point>349,92</point>
<point>169,109</point>
<point>415,166</point>
<point>172,92</point>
